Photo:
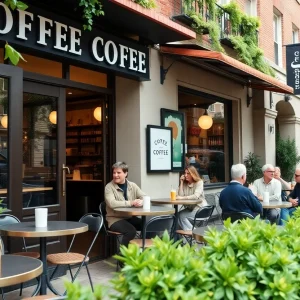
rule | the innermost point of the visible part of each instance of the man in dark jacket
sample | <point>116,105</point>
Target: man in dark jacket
<point>293,197</point>
<point>237,198</point>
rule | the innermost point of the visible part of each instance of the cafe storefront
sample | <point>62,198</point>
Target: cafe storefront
<point>58,110</point>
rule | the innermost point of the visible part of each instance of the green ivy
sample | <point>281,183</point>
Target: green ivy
<point>91,9</point>
<point>146,3</point>
<point>253,166</point>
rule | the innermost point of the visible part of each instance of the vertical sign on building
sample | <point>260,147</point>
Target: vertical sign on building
<point>293,67</point>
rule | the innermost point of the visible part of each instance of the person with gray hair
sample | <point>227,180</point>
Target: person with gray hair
<point>121,192</point>
<point>268,183</point>
<point>237,198</point>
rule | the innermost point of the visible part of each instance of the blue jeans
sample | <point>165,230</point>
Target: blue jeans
<point>285,213</point>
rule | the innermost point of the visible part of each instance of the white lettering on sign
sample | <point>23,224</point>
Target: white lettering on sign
<point>67,38</point>
<point>22,23</point>
<point>9,20</point>
<point>296,65</point>
<point>43,30</point>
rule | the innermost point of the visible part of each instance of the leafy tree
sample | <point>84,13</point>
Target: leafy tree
<point>253,167</point>
<point>287,157</point>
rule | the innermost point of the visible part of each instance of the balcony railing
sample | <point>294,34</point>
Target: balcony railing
<point>222,18</point>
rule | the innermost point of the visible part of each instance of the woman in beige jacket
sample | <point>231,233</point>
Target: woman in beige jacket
<point>122,193</point>
<point>191,187</point>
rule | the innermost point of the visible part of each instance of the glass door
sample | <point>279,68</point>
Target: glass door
<point>43,148</point>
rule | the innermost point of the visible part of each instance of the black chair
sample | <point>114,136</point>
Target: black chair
<point>156,226</point>
<point>201,219</point>
<point>236,216</point>
<point>107,232</point>
<point>95,223</point>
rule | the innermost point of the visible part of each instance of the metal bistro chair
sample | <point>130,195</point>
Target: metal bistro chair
<point>7,219</point>
<point>154,226</point>
<point>95,222</point>
<point>236,216</point>
<point>201,219</point>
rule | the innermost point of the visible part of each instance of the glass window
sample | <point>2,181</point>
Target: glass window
<point>277,39</point>
<point>250,7</point>
<point>295,35</point>
<point>3,142</point>
<point>39,150</point>
<point>206,148</point>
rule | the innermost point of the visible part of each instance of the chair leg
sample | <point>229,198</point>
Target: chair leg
<point>71,272</point>
<point>21,289</point>
<point>51,277</point>
<point>2,293</point>
<point>89,275</point>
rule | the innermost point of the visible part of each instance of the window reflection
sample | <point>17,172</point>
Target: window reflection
<point>39,150</point>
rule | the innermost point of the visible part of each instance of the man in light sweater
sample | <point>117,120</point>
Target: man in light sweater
<point>121,192</point>
<point>268,184</point>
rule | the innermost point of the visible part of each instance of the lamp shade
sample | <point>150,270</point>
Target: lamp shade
<point>4,121</point>
<point>205,121</point>
<point>53,117</point>
<point>98,113</point>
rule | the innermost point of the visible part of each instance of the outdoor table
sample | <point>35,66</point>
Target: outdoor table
<point>175,204</point>
<point>17,269</point>
<point>276,204</point>
<point>139,211</point>
<point>54,228</point>
<point>199,232</point>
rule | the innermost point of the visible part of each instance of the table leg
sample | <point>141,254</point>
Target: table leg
<point>176,223</point>
<point>43,257</point>
<point>143,231</point>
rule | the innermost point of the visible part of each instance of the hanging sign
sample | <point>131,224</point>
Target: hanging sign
<point>293,67</point>
<point>51,33</point>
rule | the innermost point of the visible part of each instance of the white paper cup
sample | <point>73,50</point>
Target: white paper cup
<point>41,217</point>
<point>146,202</point>
<point>266,197</point>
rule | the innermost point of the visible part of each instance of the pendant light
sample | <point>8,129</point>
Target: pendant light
<point>53,117</point>
<point>4,121</point>
<point>98,113</point>
<point>205,121</point>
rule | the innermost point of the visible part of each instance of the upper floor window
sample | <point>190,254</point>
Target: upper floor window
<point>251,7</point>
<point>223,2</point>
<point>277,39</point>
<point>295,35</point>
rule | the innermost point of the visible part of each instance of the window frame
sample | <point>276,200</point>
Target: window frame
<point>277,37</point>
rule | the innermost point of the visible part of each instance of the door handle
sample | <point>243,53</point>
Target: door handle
<point>64,169</point>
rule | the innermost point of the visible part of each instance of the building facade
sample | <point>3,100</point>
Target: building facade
<point>84,99</point>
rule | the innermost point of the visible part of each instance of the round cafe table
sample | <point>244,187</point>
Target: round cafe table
<point>54,228</point>
<point>17,269</point>
<point>199,232</point>
<point>175,203</point>
<point>139,211</point>
<point>276,204</point>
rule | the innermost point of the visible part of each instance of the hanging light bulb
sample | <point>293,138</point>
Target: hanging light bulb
<point>4,121</point>
<point>53,117</point>
<point>98,113</point>
<point>205,121</point>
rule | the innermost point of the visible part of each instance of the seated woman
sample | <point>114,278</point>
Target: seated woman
<point>122,193</point>
<point>191,187</point>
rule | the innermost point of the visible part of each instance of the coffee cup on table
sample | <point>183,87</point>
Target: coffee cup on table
<point>146,202</point>
<point>41,217</point>
<point>266,197</point>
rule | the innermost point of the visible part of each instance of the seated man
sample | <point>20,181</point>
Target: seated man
<point>237,198</point>
<point>293,198</point>
<point>268,184</point>
<point>122,193</point>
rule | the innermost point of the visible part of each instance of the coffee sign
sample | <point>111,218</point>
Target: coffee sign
<point>159,149</point>
<point>293,67</point>
<point>55,35</point>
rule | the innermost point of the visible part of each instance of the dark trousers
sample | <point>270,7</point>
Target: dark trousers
<point>128,227</point>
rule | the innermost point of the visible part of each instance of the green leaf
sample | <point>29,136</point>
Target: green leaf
<point>13,55</point>
<point>21,5</point>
